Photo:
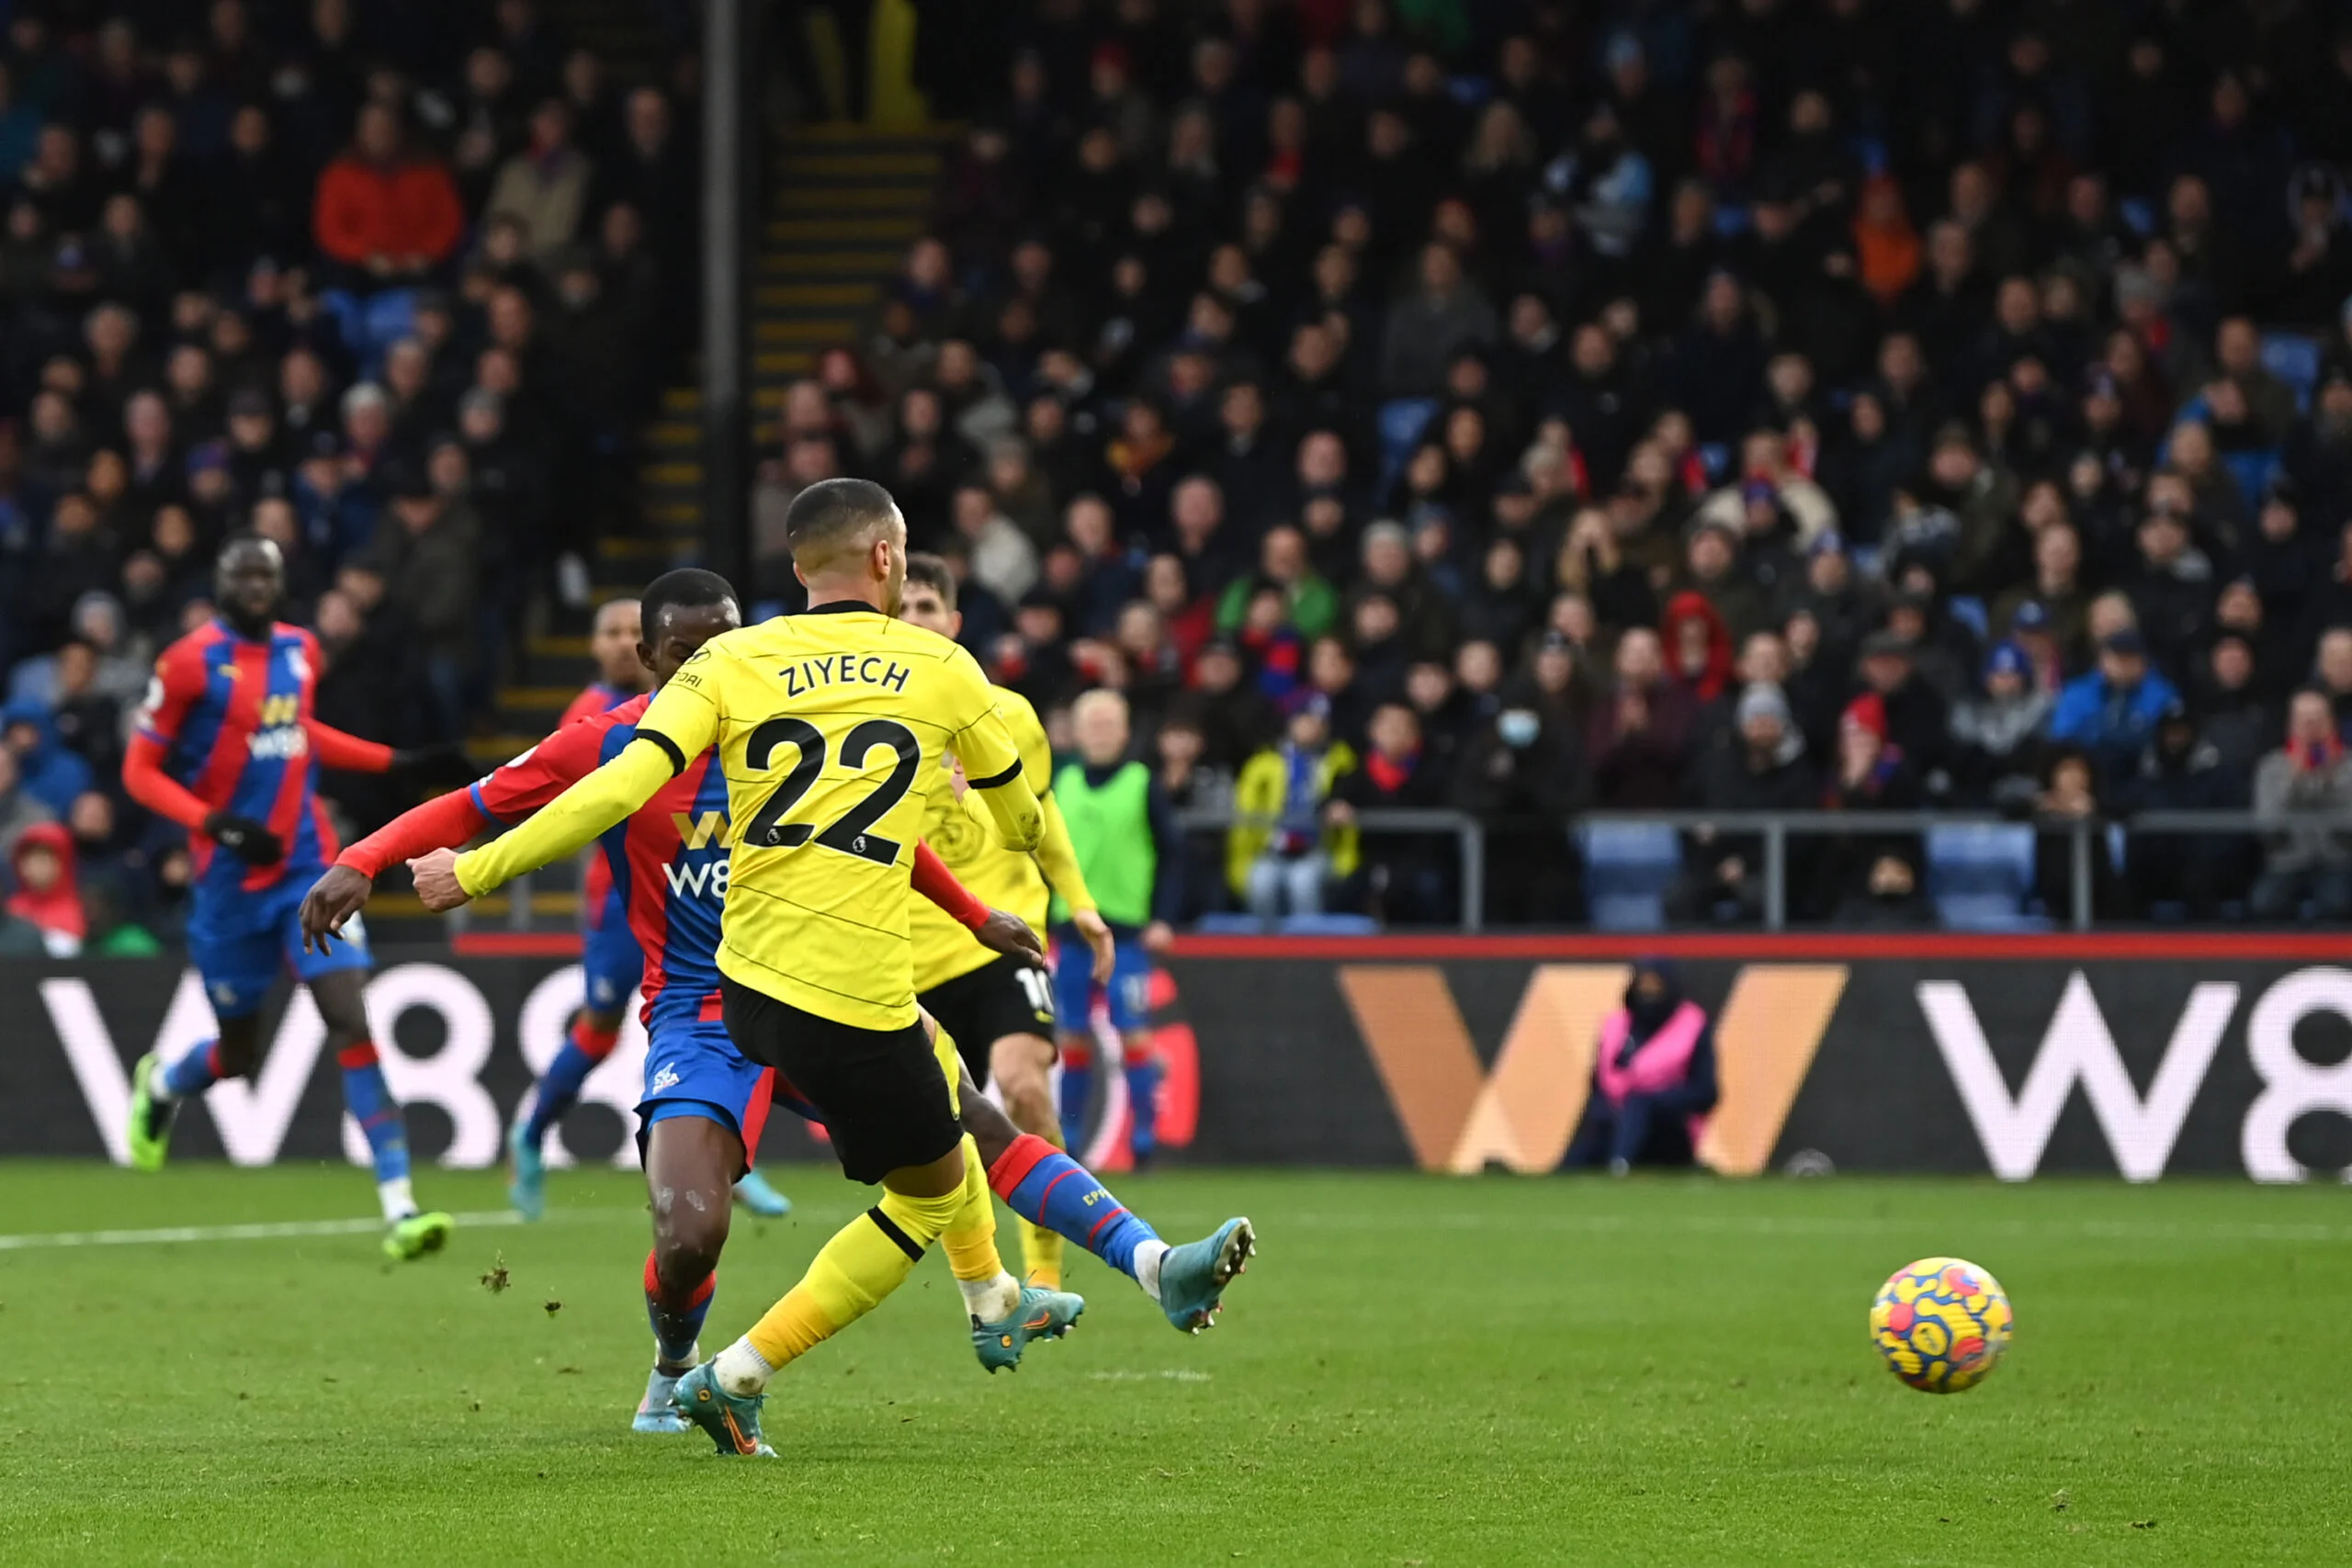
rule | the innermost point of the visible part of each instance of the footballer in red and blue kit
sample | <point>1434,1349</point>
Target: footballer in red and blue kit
<point>228,747</point>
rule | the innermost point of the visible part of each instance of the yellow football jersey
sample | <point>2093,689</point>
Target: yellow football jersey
<point>832,728</point>
<point>1001,878</point>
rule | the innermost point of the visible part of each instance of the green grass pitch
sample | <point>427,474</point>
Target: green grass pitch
<point>1417,1371</point>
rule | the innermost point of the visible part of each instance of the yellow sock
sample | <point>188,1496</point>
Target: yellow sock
<point>970,1239</point>
<point>1041,1249</point>
<point>867,1260</point>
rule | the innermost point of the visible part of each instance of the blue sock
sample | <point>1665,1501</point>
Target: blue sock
<point>1047,1188</point>
<point>194,1073</point>
<point>1143,1109</point>
<point>1078,1088</point>
<point>371,1104</point>
<point>675,1329</point>
<point>559,1088</point>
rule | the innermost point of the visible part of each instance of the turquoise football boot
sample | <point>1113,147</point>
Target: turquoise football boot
<point>1192,1277</point>
<point>526,1187</point>
<point>1039,1314</point>
<point>730,1422</point>
<point>655,1412</point>
<point>754,1193</point>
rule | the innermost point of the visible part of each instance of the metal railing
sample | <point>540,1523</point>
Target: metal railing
<point>1775,829</point>
<point>1468,833</point>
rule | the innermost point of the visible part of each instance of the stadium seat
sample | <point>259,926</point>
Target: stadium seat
<point>1330,925</point>
<point>2293,357</point>
<point>1627,868</point>
<point>1969,611</point>
<point>1235,922</point>
<point>1979,873</point>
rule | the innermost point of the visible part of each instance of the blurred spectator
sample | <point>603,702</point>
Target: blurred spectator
<point>1405,878</point>
<point>47,895</point>
<point>1760,765</point>
<point>2180,770</point>
<point>1522,772</point>
<point>1996,736</point>
<point>388,215</point>
<point>2070,810</point>
<point>1871,876</point>
<point>2305,789</point>
<point>1289,843</point>
<point>2111,712</point>
<point>1639,735</point>
<point>1653,1077</point>
<point>428,551</point>
<point>545,186</point>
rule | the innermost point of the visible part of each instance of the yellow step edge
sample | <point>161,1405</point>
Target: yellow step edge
<point>637,550</point>
<point>666,511</point>
<point>813,294</point>
<point>874,264</point>
<point>548,646</point>
<point>821,201</point>
<point>854,164</point>
<point>824,330</point>
<point>784,362</point>
<point>816,231</point>
<point>682,399</point>
<point>673,433</point>
<point>670,473</point>
<point>536,696</point>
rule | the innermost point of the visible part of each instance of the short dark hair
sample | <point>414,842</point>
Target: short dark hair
<point>830,515</point>
<point>927,570</point>
<point>688,588</point>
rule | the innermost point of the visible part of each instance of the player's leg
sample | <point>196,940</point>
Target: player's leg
<point>690,1166</point>
<point>1022,1067</point>
<point>238,966</point>
<point>892,1112</point>
<point>1049,1190</point>
<point>1130,1008</point>
<point>340,998</point>
<point>611,967</point>
<point>1074,1009</point>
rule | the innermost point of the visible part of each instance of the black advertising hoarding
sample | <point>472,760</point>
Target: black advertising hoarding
<point>2137,1056</point>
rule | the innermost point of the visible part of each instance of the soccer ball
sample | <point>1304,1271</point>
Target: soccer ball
<point>1941,1323</point>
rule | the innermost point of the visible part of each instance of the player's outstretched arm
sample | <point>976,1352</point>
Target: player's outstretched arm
<point>444,823</point>
<point>999,931</point>
<point>563,827</point>
<point>1058,858</point>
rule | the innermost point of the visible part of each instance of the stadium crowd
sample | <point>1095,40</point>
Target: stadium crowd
<point>1530,408</point>
<point>386,283</point>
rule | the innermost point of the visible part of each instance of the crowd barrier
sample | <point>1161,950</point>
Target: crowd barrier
<point>2119,1053</point>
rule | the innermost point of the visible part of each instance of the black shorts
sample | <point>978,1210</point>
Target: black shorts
<point>1001,996</point>
<point>883,1098</point>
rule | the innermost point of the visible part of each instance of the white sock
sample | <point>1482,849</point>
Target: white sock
<point>989,1299</point>
<point>694,1359</point>
<point>1148,1256</point>
<point>741,1370</point>
<point>398,1202</point>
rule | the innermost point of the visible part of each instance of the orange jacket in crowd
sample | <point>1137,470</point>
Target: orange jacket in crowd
<point>400,210</point>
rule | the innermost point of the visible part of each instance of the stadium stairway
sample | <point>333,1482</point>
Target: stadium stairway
<point>844,202</point>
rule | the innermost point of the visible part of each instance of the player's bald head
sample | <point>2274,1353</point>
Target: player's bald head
<point>247,582</point>
<point>834,523</point>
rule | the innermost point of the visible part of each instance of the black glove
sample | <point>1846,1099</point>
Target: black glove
<point>249,840</point>
<point>437,768</point>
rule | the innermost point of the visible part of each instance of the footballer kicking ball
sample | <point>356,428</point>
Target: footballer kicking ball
<point>1941,1323</point>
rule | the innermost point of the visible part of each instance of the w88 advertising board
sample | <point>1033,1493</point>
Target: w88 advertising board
<point>2136,1056</point>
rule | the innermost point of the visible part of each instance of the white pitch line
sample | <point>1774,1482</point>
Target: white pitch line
<point>273,1231</point>
<point>1830,1225</point>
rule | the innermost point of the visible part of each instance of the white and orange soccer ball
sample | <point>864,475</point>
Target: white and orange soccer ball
<point>1941,1323</point>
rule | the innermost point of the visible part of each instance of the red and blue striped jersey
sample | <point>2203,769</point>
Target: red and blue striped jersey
<point>668,859</point>
<point>596,882</point>
<point>232,716</point>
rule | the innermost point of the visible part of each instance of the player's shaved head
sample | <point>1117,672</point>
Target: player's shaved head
<point>848,542</point>
<point>680,611</point>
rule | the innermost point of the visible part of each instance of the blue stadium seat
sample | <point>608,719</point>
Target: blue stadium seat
<point>1969,611</point>
<point>2293,357</point>
<point>1330,925</point>
<point>1627,868</point>
<point>2251,469</point>
<point>1979,875</point>
<point>1229,923</point>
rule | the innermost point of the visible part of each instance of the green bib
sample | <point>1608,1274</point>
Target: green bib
<point>1110,827</point>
